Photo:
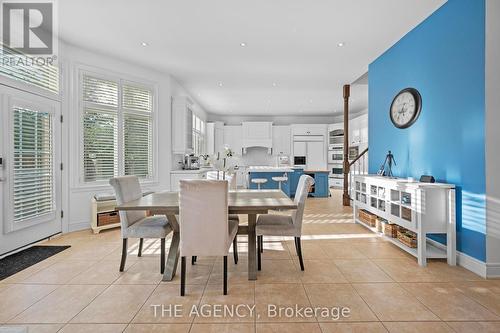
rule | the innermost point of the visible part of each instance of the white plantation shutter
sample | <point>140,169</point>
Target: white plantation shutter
<point>117,133</point>
<point>33,171</point>
<point>46,77</point>
<point>100,145</point>
<point>137,131</point>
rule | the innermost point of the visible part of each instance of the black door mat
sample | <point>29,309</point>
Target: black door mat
<point>16,262</point>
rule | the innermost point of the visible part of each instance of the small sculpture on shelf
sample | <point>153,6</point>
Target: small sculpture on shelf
<point>389,159</point>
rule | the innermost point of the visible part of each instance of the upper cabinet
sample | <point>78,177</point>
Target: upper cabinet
<point>182,125</point>
<point>281,140</point>
<point>233,138</point>
<point>215,137</point>
<point>309,129</point>
<point>358,130</point>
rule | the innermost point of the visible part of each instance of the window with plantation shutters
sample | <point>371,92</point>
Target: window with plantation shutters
<point>117,129</point>
<point>33,178</point>
<point>14,66</point>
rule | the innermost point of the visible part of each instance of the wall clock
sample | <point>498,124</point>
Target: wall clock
<point>405,108</point>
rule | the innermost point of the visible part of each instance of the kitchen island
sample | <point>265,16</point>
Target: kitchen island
<point>320,188</point>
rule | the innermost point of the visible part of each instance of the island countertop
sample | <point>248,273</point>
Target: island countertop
<point>268,169</point>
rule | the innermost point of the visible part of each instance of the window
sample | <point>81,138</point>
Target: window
<point>117,129</point>
<point>13,66</point>
<point>198,136</point>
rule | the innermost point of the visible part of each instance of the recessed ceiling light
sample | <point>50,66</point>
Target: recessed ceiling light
<point>243,44</point>
<point>310,101</point>
<point>340,44</point>
<point>274,84</point>
<point>144,44</point>
<point>220,84</point>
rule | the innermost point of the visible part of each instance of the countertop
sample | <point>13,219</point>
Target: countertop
<point>201,170</point>
<point>268,169</point>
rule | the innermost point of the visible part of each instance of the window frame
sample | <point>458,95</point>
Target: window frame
<point>201,133</point>
<point>121,80</point>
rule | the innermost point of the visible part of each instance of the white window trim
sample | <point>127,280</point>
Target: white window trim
<point>80,69</point>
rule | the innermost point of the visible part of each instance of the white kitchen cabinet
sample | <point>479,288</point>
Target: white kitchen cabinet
<point>309,129</point>
<point>257,130</point>
<point>282,140</point>
<point>233,138</point>
<point>314,149</point>
<point>218,137</point>
<point>182,125</point>
<point>358,130</point>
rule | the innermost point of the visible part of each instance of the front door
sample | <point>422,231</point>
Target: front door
<point>30,176</point>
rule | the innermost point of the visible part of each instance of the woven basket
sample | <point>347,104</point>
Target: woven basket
<point>407,237</point>
<point>380,224</point>
<point>390,230</point>
<point>368,218</point>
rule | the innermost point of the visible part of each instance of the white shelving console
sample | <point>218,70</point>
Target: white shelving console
<point>424,208</point>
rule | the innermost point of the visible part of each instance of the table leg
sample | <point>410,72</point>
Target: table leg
<point>173,252</point>
<point>252,263</point>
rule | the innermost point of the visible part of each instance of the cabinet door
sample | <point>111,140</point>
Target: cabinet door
<point>299,148</point>
<point>210,138</point>
<point>281,140</point>
<point>316,155</point>
<point>233,138</point>
<point>257,130</point>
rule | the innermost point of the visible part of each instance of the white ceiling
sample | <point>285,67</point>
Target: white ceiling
<point>292,43</point>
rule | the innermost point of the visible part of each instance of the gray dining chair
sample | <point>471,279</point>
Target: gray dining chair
<point>285,225</point>
<point>136,223</point>
<point>204,225</point>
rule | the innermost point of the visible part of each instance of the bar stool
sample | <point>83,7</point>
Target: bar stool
<point>280,180</point>
<point>259,181</point>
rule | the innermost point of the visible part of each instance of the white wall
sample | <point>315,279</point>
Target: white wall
<point>76,197</point>
<point>492,137</point>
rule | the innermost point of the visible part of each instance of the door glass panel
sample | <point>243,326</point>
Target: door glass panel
<point>33,171</point>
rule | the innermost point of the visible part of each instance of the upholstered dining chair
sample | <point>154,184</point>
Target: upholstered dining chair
<point>231,179</point>
<point>204,225</point>
<point>136,224</point>
<point>285,225</point>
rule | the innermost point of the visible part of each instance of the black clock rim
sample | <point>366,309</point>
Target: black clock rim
<point>418,101</point>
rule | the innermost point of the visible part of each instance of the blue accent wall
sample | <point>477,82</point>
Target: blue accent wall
<point>444,58</point>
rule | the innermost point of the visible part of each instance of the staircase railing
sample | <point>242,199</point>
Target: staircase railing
<point>358,166</point>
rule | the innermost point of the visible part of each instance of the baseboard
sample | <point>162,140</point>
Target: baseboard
<point>472,264</point>
<point>493,270</point>
<point>82,225</point>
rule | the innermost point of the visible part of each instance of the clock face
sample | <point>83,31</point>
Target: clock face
<point>405,108</point>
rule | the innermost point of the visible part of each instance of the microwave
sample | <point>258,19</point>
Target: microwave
<point>337,171</point>
<point>335,156</point>
<point>299,161</point>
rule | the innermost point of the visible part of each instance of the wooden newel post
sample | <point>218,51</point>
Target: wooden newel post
<point>345,197</point>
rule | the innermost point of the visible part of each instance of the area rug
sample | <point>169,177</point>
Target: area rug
<point>23,259</point>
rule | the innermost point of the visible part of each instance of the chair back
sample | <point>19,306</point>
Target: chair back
<point>203,218</point>
<point>305,182</point>
<point>127,188</point>
<point>219,175</point>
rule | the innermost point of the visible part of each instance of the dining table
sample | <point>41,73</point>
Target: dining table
<point>241,201</point>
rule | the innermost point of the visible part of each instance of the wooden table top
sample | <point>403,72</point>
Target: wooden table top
<point>239,202</point>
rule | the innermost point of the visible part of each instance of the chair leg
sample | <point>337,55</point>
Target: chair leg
<point>262,244</point>
<point>139,253</point>
<point>183,275</point>
<point>235,249</point>
<point>299,252</point>
<point>124,255</point>
<point>259,252</point>
<point>193,260</point>
<point>225,275</point>
<point>162,256</point>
